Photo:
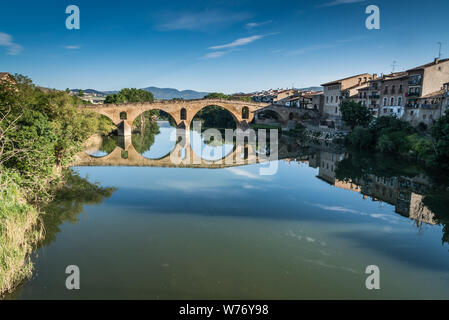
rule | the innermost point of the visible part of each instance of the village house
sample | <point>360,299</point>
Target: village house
<point>426,93</point>
<point>318,101</point>
<point>336,91</point>
<point>273,96</point>
<point>393,93</point>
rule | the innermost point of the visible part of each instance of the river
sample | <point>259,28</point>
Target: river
<point>307,232</point>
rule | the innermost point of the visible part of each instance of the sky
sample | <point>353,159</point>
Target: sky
<point>224,46</point>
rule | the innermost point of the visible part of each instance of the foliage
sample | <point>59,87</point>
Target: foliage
<point>143,140</point>
<point>298,132</point>
<point>361,138</point>
<point>130,96</point>
<point>218,95</point>
<point>222,96</point>
<point>46,128</point>
<point>68,202</point>
<point>19,232</point>
<point>440,133</point>
<point>40,131</point>
<point>215,117</point>
<point>355,114</point>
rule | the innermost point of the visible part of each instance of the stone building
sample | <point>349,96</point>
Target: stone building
<point>426,94</point>
<point>318,101</point>
<point>393,93</point>
<point>335,91</point>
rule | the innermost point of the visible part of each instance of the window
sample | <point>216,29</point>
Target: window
<point>183,114</point>
<point>385,101</point>
<point>392,101</point>
<point>245,113</point>
<point>336,109</point>
<point>332,99</point>
<point>327,99</point>
<point>400,101</point>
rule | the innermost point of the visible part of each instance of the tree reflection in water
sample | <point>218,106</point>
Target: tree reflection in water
<point>69,201</point>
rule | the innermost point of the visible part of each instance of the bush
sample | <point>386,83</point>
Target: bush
<point>19,231</point>
<point>130,96</point>
<point>361,138</point>
<point>355,114</point>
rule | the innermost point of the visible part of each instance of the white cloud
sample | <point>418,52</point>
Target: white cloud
<point>238,42</point>
<point>198,21</point>
<point>214,55</point>
<point>338,2</point>
<point>6,41</point>
<point>309,49</point>
<point>252,25</point>
<point>72,47</point>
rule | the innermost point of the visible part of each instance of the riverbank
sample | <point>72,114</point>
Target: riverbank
<point>40,132</point>
<point>20,231</point>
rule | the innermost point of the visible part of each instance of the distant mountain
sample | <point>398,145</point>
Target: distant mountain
<point>158,93</point>
<point>90,92</point>
<point>169,93</point>
<point>313,89</point>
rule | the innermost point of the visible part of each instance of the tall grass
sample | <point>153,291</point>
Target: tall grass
<point>20,230</point>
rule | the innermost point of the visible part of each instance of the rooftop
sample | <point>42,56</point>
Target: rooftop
<point>435,62</point>
<point>341,80</point>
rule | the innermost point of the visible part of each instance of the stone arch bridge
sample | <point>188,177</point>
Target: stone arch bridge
<point>183,112</point>
<point>288,116</point>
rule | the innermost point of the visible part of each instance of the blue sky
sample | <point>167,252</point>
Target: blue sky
<point>227,46</point>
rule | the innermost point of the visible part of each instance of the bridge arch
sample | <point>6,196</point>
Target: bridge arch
<point>222,106</point>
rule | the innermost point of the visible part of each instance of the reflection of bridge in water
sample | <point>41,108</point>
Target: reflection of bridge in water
<point>183,156</point>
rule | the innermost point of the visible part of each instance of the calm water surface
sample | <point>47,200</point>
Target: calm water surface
<point>180,233</point>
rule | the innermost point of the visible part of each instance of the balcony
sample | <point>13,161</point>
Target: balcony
<point>413,94</point>
<point>415,80</point>
<point>374,96</point>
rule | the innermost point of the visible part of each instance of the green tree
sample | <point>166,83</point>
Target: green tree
<point>361,138</point>
<point>80,93</point>
<point>355,114</point>
<point>217,95</point>
<point>46,128</point>
<point>130,96</point>
<point>440,133</point>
